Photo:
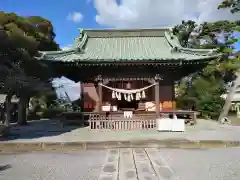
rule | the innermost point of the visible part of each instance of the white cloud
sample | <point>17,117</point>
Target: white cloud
<point>158,13</point>
<point>67,47</point>
<point>75,17</point>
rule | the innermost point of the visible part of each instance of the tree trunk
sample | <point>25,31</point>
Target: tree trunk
<point>8,109</point>
<point>22,110</point>
<point>229,98</point>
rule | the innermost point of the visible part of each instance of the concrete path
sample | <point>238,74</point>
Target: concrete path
<point>49,136</point>
<point>124,164</point>
<point>51,131</point>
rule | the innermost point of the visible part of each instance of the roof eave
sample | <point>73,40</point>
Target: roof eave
<point>176,46</point>
<point>55,54</point>
<point>132,61</point>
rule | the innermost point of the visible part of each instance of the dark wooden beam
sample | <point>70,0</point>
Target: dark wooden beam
<point>100,93</point>
<point>128,79</point>
<point>157,92</point>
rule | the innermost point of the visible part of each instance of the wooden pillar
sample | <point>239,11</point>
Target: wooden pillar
<point>100,93</point>
<point>82,96</point>
<point>173,95</point>
<point>157,97</point>
<point>157,100</point>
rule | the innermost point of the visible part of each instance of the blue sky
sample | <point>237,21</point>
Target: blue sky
<point>237,44</point>
<point>69,15</point>
<point>57,11</point>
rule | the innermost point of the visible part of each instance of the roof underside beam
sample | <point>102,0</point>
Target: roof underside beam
<point>131,63</point>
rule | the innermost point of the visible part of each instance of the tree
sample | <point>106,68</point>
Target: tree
<point>208,84</point>
<point>183,31</point>
<point>21,39</point>
<point>234,5</point>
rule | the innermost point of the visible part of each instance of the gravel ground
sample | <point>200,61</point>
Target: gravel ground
<point>209,164</point>
<point>54,166</point>
<point>123,164</point>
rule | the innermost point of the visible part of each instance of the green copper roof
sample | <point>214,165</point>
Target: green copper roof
<point>127,45</point>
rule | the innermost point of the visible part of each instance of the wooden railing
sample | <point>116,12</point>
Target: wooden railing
<point>139,120</point>
<point>116,121</point>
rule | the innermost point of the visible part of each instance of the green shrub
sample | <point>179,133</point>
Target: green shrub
<point>33,116</point>
<point>210,106</point>
<point>51,112</point>
<point>204,95</point>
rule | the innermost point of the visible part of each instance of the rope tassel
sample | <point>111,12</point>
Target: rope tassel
<point>143,95</point>
<point>119,96</point>
<point>129,98</point>
<point>125,97</point>
<point>113,95</point>
<point>137,96</point>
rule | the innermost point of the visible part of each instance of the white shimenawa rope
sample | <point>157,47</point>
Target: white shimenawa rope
<point>126,91</point>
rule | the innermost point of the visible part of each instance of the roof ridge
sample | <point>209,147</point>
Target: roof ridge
<point>83,40</point>
<point>112,33</point>
<point>123,29</point>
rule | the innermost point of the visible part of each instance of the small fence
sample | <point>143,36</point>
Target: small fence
<point>138,121</point>
<point>117,121</point>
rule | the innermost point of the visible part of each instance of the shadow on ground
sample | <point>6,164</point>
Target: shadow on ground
<point>5,167</point>
<point>38,129</point>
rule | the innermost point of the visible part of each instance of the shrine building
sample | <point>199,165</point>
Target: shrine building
<point>128,68</point>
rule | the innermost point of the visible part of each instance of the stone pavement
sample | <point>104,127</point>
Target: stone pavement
<point>124,164</point>
<point>135,164</point>
<point>52,131</point>
<point>40,134</point>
